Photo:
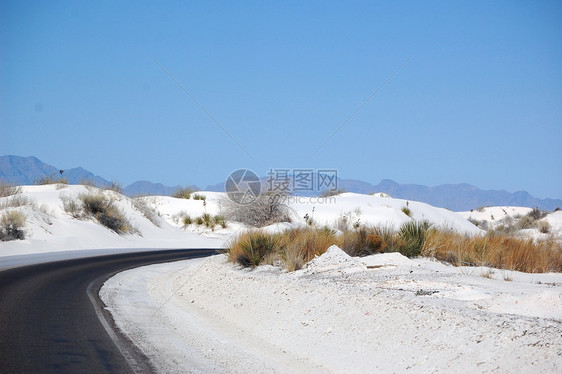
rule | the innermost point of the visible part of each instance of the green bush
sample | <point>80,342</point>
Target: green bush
<point>407,211</point>
<point>11,226</point>
<point>187,220</point>
<point>220,220</point>
<point>413,236</point>
<point>199,197</point>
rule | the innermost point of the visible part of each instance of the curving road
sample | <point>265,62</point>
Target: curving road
<point>50,315</point>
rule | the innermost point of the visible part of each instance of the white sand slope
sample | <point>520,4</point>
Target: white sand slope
<point>50,229</point>
<point>382,313</point>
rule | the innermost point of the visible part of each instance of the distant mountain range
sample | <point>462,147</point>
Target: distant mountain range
<point>456,197</point>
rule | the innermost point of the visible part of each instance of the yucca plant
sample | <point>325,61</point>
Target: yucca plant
<point>413,235</point>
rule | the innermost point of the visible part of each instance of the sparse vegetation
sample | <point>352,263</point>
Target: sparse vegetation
<point>183,193</point>
<point>114,186</point>
<point>498,251</point>
<point>101,208</point>
<point>147,211</point>
<point>199,197</point>
<point>329,193</point>
<point>7,189</point>
<point>407,211</point>
<point>11,226</point>
<point>251,248</point>
<point>267,209</point>
<point>50,179</point>
<point>543,227</point>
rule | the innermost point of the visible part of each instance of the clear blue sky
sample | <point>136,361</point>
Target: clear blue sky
<point>479,101</point>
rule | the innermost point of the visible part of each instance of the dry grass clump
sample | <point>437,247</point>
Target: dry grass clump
<point>7,189</point>
<point>101,208</point>
<point>251,248</point>
<point>147,211</point>
<point>183,193</point>
<point>50,179</point>
<point>11,226</point>
<point>267,209</point>
<point>498,251</point>
<point>362,242</point>
<point>298,246</point>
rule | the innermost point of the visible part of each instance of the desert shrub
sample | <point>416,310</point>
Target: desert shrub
<point>413,236</point>
<point>147,211</point>
<point>329,193</point>
<point>50,179</point>
<point>220,220</point>
<point>183,193</point>
<point>250,248</point>
<point>11,226</point>
<point>16,201</point>
<point>267,209</point>
<point>349,219</point>
<point>199,221</point>
<point>526,222</point>
<point>114,186</point>
<point>301,245</point>
<point>187,220</point>
<point>7,189</point>
<point>72,207</point>
<point>105,212</point>
<point>199,197</point>
<point>88,182</point>
<point>536,214</point>
<point>543,226</point>
<point>362,242</point>
<point>499,251</point>
<point>208,220</point>
<point>407,211</point>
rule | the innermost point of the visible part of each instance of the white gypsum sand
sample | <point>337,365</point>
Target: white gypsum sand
<point>382,313</point>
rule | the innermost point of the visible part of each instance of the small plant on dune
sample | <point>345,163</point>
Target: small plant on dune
<point>536,214</point>
<point>16,201</point>
<point>11,226</point>
<point>114,186</point>
<point>526,222</point>
<point>251,248</point>
<point>7,189</point>
<point>50,179</point>
<point>413,235</point>
<point>199,197</point>
<point>72,207</point>
<point>183,193</point>
<point>208,221</point>
<point>187,220</point>
<point>265,210</point>
<point>330,193</point>
<point>88,182</point>
<point>543,227</point>
<point>105,212</point>
<point>220,220</point>
<point>147,211</point>
<point>199,221</point>
<point>407,211</point>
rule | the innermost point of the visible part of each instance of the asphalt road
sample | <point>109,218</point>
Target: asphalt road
<point>50,316</point>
